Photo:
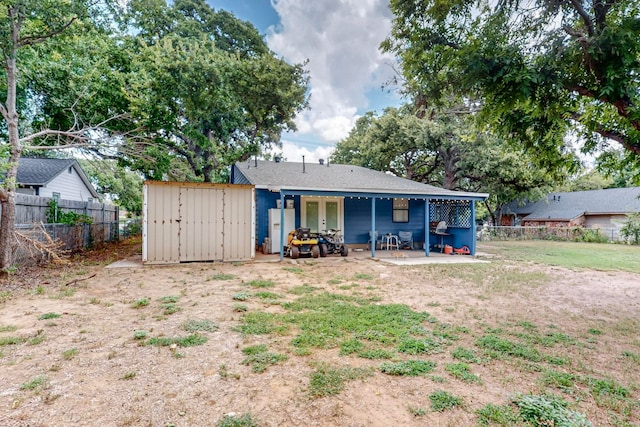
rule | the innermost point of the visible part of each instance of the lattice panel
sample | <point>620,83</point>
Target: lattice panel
<point>456,213</point>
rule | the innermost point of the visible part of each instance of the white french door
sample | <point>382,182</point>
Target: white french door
<point>322,213</point>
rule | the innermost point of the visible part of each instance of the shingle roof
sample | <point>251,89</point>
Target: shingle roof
<point>333,177</point>
<point>569,205</point>
<point>39,172</point>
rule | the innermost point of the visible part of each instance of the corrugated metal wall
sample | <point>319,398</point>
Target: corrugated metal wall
<point>185,222</point>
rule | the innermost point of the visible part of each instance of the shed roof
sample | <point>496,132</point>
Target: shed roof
<point>315,177</point>
<point>570,205</point>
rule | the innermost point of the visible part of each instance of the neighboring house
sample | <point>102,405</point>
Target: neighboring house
<point>56,178</point>
<point>357,201</point>
<point>591,209</point>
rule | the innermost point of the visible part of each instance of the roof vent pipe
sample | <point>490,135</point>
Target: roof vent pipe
<point>303,165</point>
<point>276,159</point>
<point>255,159</point>
<point>327,162</point>
<point>321,161</point>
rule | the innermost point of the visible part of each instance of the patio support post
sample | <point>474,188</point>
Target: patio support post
<point>474,235</point>
<point>281,227</point>
<point>426,228</point>
<point>373,227</point>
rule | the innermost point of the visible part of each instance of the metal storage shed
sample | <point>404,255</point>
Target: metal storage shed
<point>185,222</point>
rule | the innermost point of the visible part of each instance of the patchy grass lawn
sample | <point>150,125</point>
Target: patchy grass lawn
<point>544,334</point>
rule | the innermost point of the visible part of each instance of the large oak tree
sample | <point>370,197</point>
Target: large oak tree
<point>445,150</point>
<point>546,72</point>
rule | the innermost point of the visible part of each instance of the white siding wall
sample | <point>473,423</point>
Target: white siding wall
<point>69,185</point>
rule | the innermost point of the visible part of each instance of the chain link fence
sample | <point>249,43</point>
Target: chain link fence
<point>576,234</point>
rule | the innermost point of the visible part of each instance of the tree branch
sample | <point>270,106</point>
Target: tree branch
<point>31,40</point>
<point>577,5</point>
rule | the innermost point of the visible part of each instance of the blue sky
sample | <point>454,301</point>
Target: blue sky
<point>340,38</point>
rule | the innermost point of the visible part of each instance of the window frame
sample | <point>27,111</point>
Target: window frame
<point>402,209</point>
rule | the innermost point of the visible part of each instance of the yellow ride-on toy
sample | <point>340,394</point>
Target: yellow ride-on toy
<point>300,242</point>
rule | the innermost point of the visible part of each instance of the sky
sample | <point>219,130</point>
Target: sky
<point>340,39</point>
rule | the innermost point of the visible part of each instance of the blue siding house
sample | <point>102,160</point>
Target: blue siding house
<point>357,201</point>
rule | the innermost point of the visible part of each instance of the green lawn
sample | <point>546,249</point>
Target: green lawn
<point>597,256</point>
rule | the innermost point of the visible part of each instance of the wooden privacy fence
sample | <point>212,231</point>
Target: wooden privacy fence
<point>31,221</point>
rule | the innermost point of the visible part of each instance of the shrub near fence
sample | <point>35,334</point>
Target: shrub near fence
<point>31,220</point>
<point>577,234</point>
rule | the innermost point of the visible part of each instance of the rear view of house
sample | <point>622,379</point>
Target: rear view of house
<point>358,201</point>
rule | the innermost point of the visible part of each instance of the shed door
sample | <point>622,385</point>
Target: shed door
<point>201,224</point>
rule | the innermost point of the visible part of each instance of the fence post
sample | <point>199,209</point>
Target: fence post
<point>117,223</point>
<point>85,238</point>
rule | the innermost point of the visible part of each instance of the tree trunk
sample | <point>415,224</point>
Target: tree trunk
<point>8,193</point>
<point>7,224</point>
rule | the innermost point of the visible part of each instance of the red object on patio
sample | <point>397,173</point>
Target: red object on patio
<point>464,250</point>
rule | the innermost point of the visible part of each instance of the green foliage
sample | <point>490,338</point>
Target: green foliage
<point>536,68</point>
<point>464,354</point>
<point>142,302</point>
<point>140,335</point>
<point>589,235</point>
<point>462,371</point>
<point>351,346</point>
<point>491,415</point>
<point>123,186</point>
<point>500,348</point>
<point>38,383</point>
<point>241,296</point>
<point>548,410</point>
<point>411,368</point>
<point>442,401</point>
<point>635,357</point>
<point>631,229</point>
<point>329,381</point>
<point>199,325</point>
<point>11,340</point>
<point>188,341</point>
<point>56,216</point>
<point>260,283</point>
<point>561,380</point>
<point>420,346</point>
<point>232,420</point>
<point>46,316</point>
<point>444,149</point>
<point>260,358</point>
<point>246,95</point>
<point>601,387</point>
<point>70,353</point>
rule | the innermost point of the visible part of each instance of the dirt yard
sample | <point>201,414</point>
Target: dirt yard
<point>72,339</point>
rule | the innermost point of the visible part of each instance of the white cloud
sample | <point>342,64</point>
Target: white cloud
<point>293,152</point>
<point>340,38</point>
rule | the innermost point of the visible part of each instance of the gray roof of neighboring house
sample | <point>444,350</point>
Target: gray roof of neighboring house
<point>570,205</point>
<point>333,177</point>
<point>39,172</point>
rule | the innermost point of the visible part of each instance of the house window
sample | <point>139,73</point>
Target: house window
<point>70,170</point>
<point>400,210</point>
